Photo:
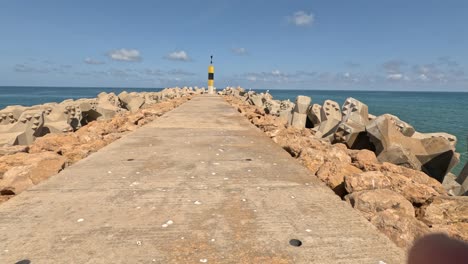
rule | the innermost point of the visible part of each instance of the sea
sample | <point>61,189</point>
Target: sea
<point>426,111</point>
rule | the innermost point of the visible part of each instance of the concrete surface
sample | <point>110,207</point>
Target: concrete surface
<point>198,185</point>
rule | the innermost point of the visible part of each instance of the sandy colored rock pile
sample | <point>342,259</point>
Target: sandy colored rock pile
<point>402,202</point>
<point>22,166</point>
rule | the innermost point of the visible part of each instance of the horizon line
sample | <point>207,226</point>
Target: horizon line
<point>278,89</point>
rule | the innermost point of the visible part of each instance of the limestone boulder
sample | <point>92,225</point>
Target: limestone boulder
<point>365,160</point>
<point>54,143</point>
<point>15,180</point>
<point>448,214</point>
<point>414,176</point>
<point>333,174</point>
<point>10,150</point>
<point>22,170</point>
<point>414,192</point>
<point>369,203</point>
<point>401,228</point>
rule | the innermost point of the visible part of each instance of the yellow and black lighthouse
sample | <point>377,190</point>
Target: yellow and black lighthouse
<point>211,77</point>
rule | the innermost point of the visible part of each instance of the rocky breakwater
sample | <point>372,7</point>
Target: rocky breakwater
<point>379,165</point>
<point>37,142</point>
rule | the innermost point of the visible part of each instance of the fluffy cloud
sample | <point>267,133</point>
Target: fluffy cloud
<point>395,77</point>
<point>178,56</point>
<point>93,61</point>
<point>239,51</point>
<point>301,18</point>
<point>125,55</point>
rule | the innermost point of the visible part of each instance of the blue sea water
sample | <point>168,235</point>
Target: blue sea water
<point>426,111</point>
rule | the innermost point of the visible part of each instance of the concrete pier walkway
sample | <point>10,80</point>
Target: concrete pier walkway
<point>198,185</point>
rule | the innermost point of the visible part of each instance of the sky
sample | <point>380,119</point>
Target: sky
<point>282,44</point>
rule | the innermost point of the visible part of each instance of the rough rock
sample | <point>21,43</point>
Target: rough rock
<point>365,160</point>
<point>333,174</point>
<point>416,193</point>
<point>414,175</point>
<point>371,202</point>
<point>448,214</point>
<point>10,150</point>
<point>22,170</point>
<point>401,228</point>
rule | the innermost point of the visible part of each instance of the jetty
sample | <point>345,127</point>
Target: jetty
<point>200,184</point>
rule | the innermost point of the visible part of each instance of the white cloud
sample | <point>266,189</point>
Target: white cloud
<point>276,73</point>
<point>178,56</point>
<point>395,76</point>
<point>301,18</point>
<point>93,61</point>
<point>239,51</point>
<point>251,78</point>
<point>125,55</point>
<point>423,77</point>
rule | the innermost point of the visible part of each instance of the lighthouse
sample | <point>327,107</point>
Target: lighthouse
<point>211,77</point>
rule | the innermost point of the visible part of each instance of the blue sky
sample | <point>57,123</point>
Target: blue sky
<point>364,45</point>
